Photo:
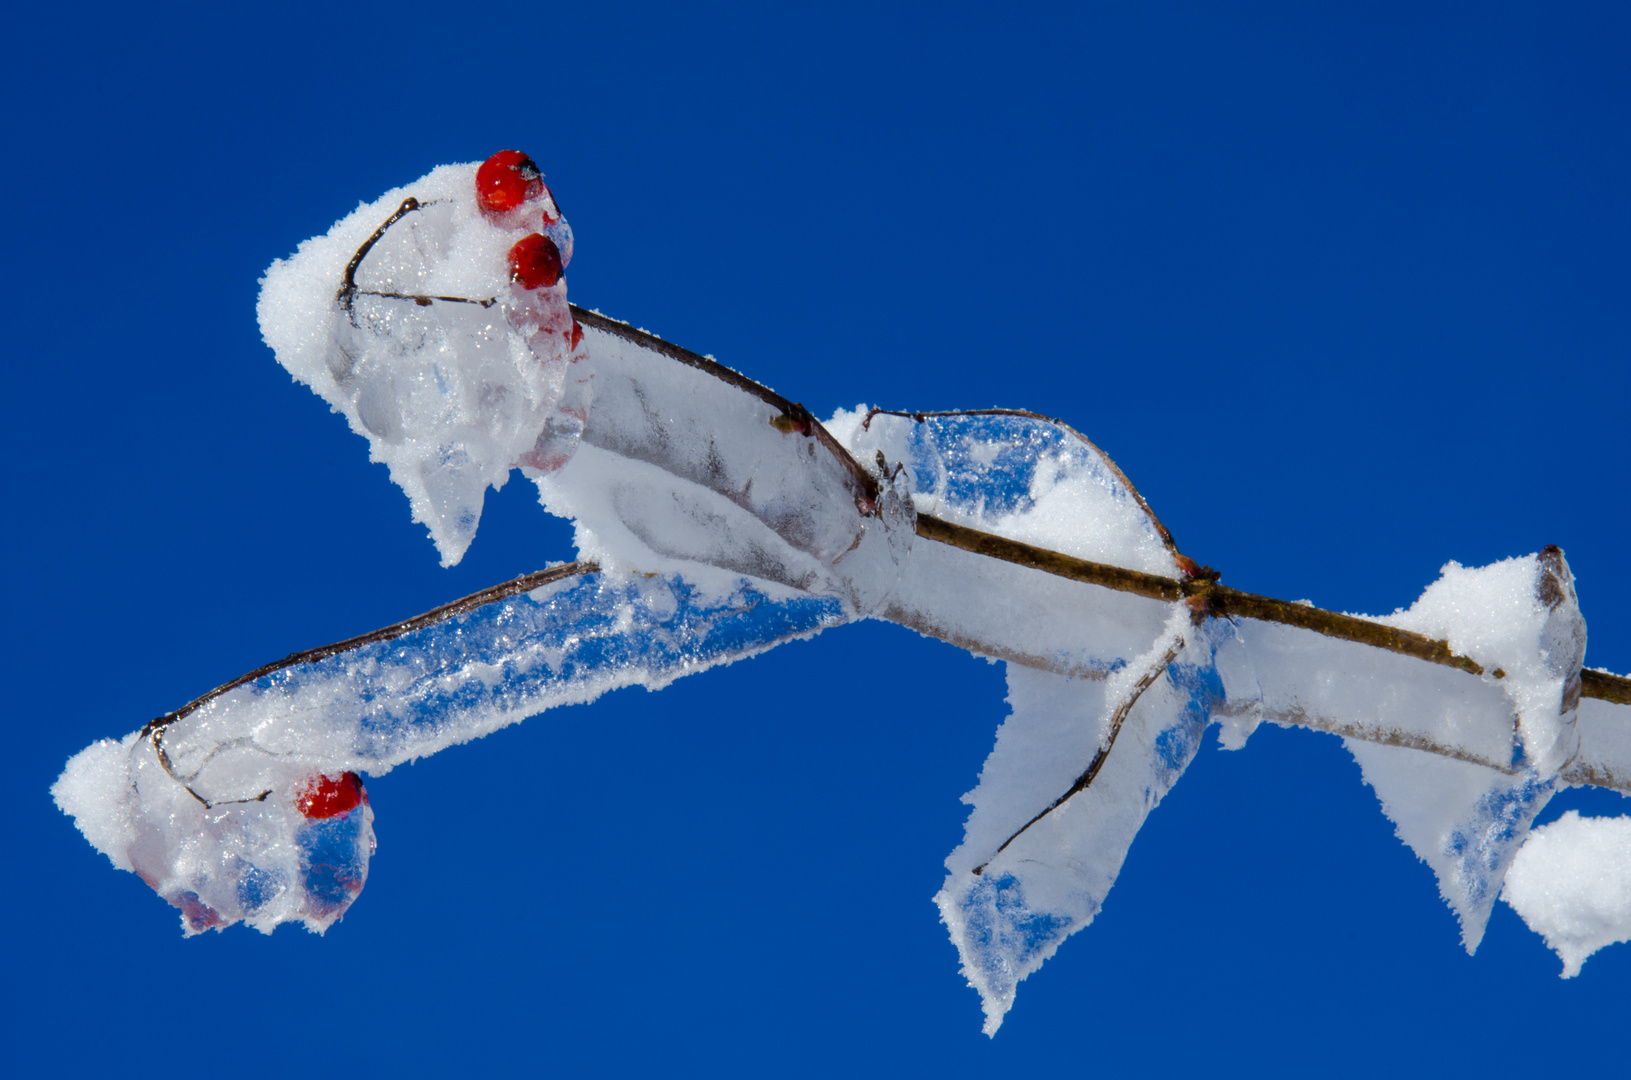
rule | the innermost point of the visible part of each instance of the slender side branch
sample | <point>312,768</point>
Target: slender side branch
<point>1050,562</point>
<point>1117,718</point>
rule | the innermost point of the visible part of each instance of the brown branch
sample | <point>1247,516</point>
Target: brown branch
<point>1220,600</point>
<point>1605,687</point>
<point>1049,562</point>
<point>348,284</point>
<point>1203,594</point>
<point>425,300</point>
<point>1211,597</point>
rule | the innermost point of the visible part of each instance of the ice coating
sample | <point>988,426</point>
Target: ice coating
<point>1031,479</point>
<point>195,824</point>
<point>1572,885</point>
<point>392,701</point>
<point>1467,821</point>
<point>454,373</point>
<point>1605,745</point>
<point>1519,617</point>
<point>715,519</point>
<point>278,855</point>
<point>682,466</point>
<point>1009,911</point>
<point>1497,742</point>
<point>1019,475</point>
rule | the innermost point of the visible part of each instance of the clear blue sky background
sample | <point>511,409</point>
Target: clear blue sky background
<point>1345,294</point>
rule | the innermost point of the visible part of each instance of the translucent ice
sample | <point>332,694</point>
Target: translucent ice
<point>1009,907</point>
<point>684,463</point>
<point>297,850</point>
<point>454,365</point>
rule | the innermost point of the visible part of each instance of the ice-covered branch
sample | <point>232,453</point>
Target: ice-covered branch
<point>715,518</point>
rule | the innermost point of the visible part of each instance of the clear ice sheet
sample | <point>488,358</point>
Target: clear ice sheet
<point>680,468</point>
<point>390,702</point>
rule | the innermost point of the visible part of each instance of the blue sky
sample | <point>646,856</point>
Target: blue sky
<point>1344,293</point>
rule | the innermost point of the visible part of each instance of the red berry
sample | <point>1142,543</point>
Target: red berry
<point>326,798</point>
<point>535,262</point>
<point>506,180</point>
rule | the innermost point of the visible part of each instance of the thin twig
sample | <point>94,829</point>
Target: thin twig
<point>348,285</point>
<point>1123,709</point>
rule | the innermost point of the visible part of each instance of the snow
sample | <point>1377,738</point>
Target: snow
<point>1572,885</point>
<point>450,395</point>
<point>1519,617</point>
<point>714,520</point>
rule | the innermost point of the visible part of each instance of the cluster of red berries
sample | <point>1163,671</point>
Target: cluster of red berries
<point>505,182</point>
<point>326,797</point>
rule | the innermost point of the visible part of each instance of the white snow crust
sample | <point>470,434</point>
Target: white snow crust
<point>1572,885</point>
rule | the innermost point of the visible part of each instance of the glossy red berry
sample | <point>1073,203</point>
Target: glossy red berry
<point>506,180</point>
<point>535,262</point>
<point>327,797</point>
